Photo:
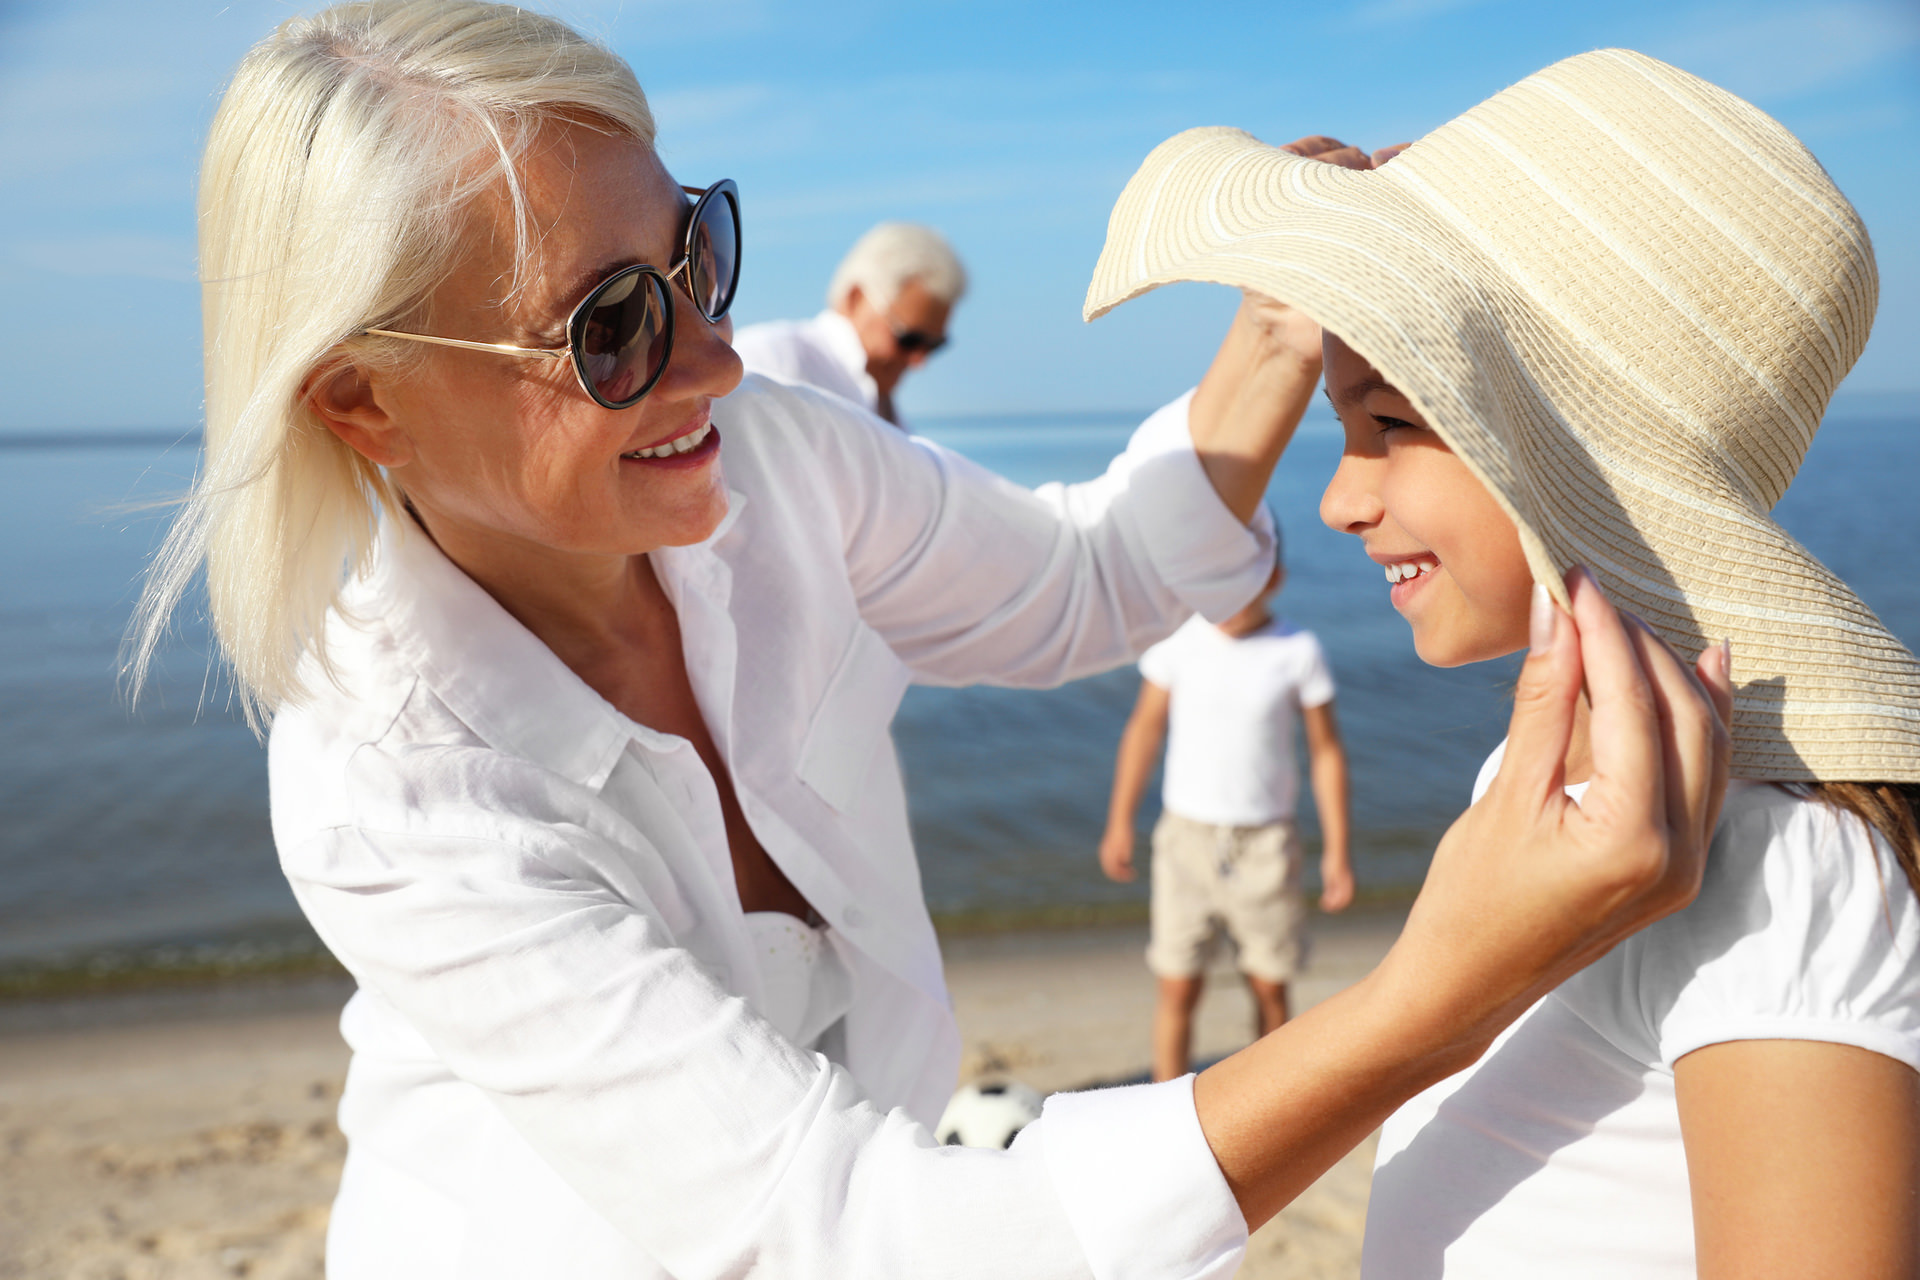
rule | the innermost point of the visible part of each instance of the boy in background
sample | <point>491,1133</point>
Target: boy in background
<point>1226,852</point>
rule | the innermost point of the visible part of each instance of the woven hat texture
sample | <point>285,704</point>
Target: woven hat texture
<point>1624,297</point>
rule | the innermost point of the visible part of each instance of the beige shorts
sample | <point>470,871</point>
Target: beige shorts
<point>1243,879</point>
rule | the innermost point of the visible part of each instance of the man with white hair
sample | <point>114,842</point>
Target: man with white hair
<point>887,311</point>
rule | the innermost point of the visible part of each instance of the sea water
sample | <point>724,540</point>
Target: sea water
<point>132,829</point>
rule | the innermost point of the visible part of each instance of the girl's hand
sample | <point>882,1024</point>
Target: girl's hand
<point>1529,887</point>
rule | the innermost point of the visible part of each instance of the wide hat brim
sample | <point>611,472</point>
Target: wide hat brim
<point>1624,297</point>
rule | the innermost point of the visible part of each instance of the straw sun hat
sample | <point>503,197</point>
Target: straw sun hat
<point>1623,296</point>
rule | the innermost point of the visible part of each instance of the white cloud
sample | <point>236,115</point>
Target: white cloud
<point>1784,51</point>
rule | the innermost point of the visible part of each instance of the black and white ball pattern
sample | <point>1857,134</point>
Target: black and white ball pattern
<point>987,1115</point>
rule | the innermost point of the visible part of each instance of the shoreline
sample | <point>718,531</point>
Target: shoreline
<point>294,954</point>
<point>188,1132</point>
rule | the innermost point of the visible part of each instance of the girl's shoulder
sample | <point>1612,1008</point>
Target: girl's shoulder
<point>1805,928</point>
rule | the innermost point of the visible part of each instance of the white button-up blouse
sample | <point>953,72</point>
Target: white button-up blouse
<point>558,1065</point>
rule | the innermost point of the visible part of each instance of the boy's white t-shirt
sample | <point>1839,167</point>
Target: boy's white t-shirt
<point>1230,758</point>
<point>1559,1152</point>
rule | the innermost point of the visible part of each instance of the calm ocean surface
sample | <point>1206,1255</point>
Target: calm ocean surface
<point>123,831</point>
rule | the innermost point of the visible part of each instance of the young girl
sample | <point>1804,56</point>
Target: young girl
<point>1595,322</point>
<point>1732,1090</point>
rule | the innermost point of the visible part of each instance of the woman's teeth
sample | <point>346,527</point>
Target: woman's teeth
<point>685,444</point>
<point>1408,570</point>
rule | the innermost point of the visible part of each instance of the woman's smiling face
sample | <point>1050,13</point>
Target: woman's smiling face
<point>1451,555</point>
<point>492,447</point>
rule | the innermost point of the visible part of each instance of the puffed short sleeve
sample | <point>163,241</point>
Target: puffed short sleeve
<point>1805,929</point>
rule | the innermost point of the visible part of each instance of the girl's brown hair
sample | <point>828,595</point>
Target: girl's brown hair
<point>1888,808</point>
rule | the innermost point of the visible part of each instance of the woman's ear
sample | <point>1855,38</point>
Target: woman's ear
<point>343,396</point>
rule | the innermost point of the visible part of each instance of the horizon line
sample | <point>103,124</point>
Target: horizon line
<point>169,436</point>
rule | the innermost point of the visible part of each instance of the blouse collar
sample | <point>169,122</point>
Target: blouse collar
<point>490,671</point>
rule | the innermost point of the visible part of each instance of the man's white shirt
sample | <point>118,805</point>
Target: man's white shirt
<point>823,352</point>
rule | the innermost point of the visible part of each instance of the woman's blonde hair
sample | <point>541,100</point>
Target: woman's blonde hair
<point>332,195</point>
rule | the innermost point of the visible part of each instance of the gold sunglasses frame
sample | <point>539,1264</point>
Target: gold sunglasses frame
<point>724,188</point>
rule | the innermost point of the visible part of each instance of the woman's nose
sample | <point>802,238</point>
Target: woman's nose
<point>703,362</point>
<point>1351,503</point>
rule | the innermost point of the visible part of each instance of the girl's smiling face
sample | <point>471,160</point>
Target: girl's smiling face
<point>1451,555</point>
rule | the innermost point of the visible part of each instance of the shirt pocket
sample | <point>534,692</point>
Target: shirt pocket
<point>851,720</point>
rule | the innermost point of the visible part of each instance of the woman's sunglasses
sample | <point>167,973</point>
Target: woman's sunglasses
<point>621,334</point>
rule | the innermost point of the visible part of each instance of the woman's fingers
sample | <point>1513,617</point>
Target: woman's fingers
<point>1715,670</point>
<point>1313,145</point>
<point>1320,147</point>
<point>1346,158</point>
<point>1331,150</point>
<point>1528,888</point>
<point>1694,739</point>
<point>1629,749</point>
<point>1544,702</point>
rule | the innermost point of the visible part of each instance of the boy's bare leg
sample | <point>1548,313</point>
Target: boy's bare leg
<point>1269,1004</point>
<point>1173,1025</point>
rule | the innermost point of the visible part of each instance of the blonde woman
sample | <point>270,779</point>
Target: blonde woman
<point>579,654</point>
<point>1596,320</point>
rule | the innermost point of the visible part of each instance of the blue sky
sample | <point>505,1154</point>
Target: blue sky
<point>1011,126</point>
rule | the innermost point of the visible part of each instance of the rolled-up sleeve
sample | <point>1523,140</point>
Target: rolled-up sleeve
<point>1181,1220</point>
<point>969,577</point>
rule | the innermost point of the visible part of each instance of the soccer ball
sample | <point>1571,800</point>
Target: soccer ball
<point>987,1115</point>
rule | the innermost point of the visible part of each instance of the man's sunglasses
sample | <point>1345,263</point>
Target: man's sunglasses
<point>621,334</point>
<point>911,341</point>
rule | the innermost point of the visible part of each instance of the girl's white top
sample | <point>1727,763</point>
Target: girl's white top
<point>1559,1152</point>
<point>568,1049</point>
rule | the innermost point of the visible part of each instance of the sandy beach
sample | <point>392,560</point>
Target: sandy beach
<point>190,1134</point>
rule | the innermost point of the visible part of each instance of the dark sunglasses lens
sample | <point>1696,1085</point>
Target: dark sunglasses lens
<point>714,254</point>
<point>914,341</point>
<point>622,338</point>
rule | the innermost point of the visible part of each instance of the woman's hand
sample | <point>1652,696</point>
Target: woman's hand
<point>1526,888</point>
<point>1319,146</point>
<point>1261,380</point>
<point>1253,396</point>
<point>1529,886</point>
